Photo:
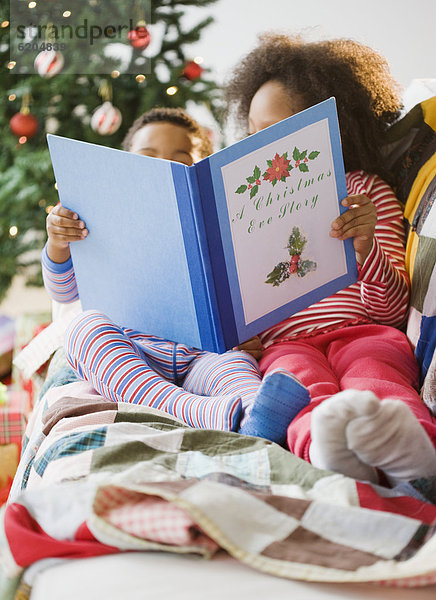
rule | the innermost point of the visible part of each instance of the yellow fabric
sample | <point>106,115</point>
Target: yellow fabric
<point>422,179</point>
<point>425,176</point>
<point>429,112</point>
<point>411,249</point>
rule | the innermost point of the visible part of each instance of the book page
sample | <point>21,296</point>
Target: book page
<point>281,200</point>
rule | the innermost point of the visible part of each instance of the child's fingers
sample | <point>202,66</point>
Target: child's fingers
<point>357,227</point>
<point>63,225</point>
<point>356,211</point>
<point>359,220</point>
<point>362,232</point>
<point>253,346</point>
<point>63,212</point>
<point>252,343</point>
<point>356,200</point>
<point>353,214</point>
<point>58,221</point>
<point>65,234</point>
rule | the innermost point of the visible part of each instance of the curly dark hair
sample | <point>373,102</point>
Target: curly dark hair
<point>359,78</point>
<point>177,116</point>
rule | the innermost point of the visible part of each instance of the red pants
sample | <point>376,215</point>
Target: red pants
<point>363,357</point>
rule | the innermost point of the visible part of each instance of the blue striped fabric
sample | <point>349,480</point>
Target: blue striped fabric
<point>74,443</point>
<point>235,373</point>
<point>119,368</point>
<point>169,359</point>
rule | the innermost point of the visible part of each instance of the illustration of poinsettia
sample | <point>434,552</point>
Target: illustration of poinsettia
<point>278,169</point>
<point>295,265</point>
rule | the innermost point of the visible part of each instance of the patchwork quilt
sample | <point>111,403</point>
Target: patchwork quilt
<point>98,477</point>
<point>412,159</point>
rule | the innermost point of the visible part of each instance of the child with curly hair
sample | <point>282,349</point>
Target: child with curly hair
<point>203,389</point>
<point>365,415</point>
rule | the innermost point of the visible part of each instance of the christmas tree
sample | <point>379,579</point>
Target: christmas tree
<point>59,91</point>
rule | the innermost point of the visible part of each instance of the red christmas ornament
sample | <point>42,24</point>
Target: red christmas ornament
<point>24,124</point>
<point>192,70</point>
<point>139,37</point>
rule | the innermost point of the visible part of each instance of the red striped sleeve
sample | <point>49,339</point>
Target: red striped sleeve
<point>383,277</point>
<point>382,292</point>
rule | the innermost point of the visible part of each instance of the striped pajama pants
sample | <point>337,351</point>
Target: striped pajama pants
<point>203,389</point>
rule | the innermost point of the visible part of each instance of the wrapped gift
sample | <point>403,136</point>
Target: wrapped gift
<point>13,415</point>
<point>28,330</point>
<point>9,457</point>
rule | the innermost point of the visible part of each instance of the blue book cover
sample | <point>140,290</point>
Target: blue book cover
<point>214,253</point>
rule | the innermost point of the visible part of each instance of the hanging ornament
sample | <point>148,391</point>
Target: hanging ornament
<point>106,118</point>
<point>140,36</point>
<point>49,63</point>
<point>192,70</point>
<point>24,123</point>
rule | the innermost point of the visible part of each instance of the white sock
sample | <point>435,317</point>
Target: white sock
<point>329,448</point>
<point>353,433</point>
<point>392,439</point>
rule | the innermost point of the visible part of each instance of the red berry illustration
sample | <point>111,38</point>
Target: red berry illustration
<point>257,181</point>
<point>305,159</point>
<point>297,163</point>
<point>249,186</point>
<point>295,258</point>
<point>293,268</point>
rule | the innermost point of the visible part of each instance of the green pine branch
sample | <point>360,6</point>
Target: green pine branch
<point>26,176</point>
<point>279,274</point>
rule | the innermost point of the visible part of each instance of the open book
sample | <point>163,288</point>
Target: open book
<point>212,254</point>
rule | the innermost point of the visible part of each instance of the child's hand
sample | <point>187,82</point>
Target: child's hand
<point>63,226</point>
<point>252,346</point>
<point>358,222</point>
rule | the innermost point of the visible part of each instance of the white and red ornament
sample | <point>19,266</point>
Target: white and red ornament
<point>49,63</point>
<point>106,119</point>
<point>139,37</point>
<point>192,70</point>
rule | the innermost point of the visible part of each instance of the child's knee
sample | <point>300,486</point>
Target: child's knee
<point>238,356</point>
